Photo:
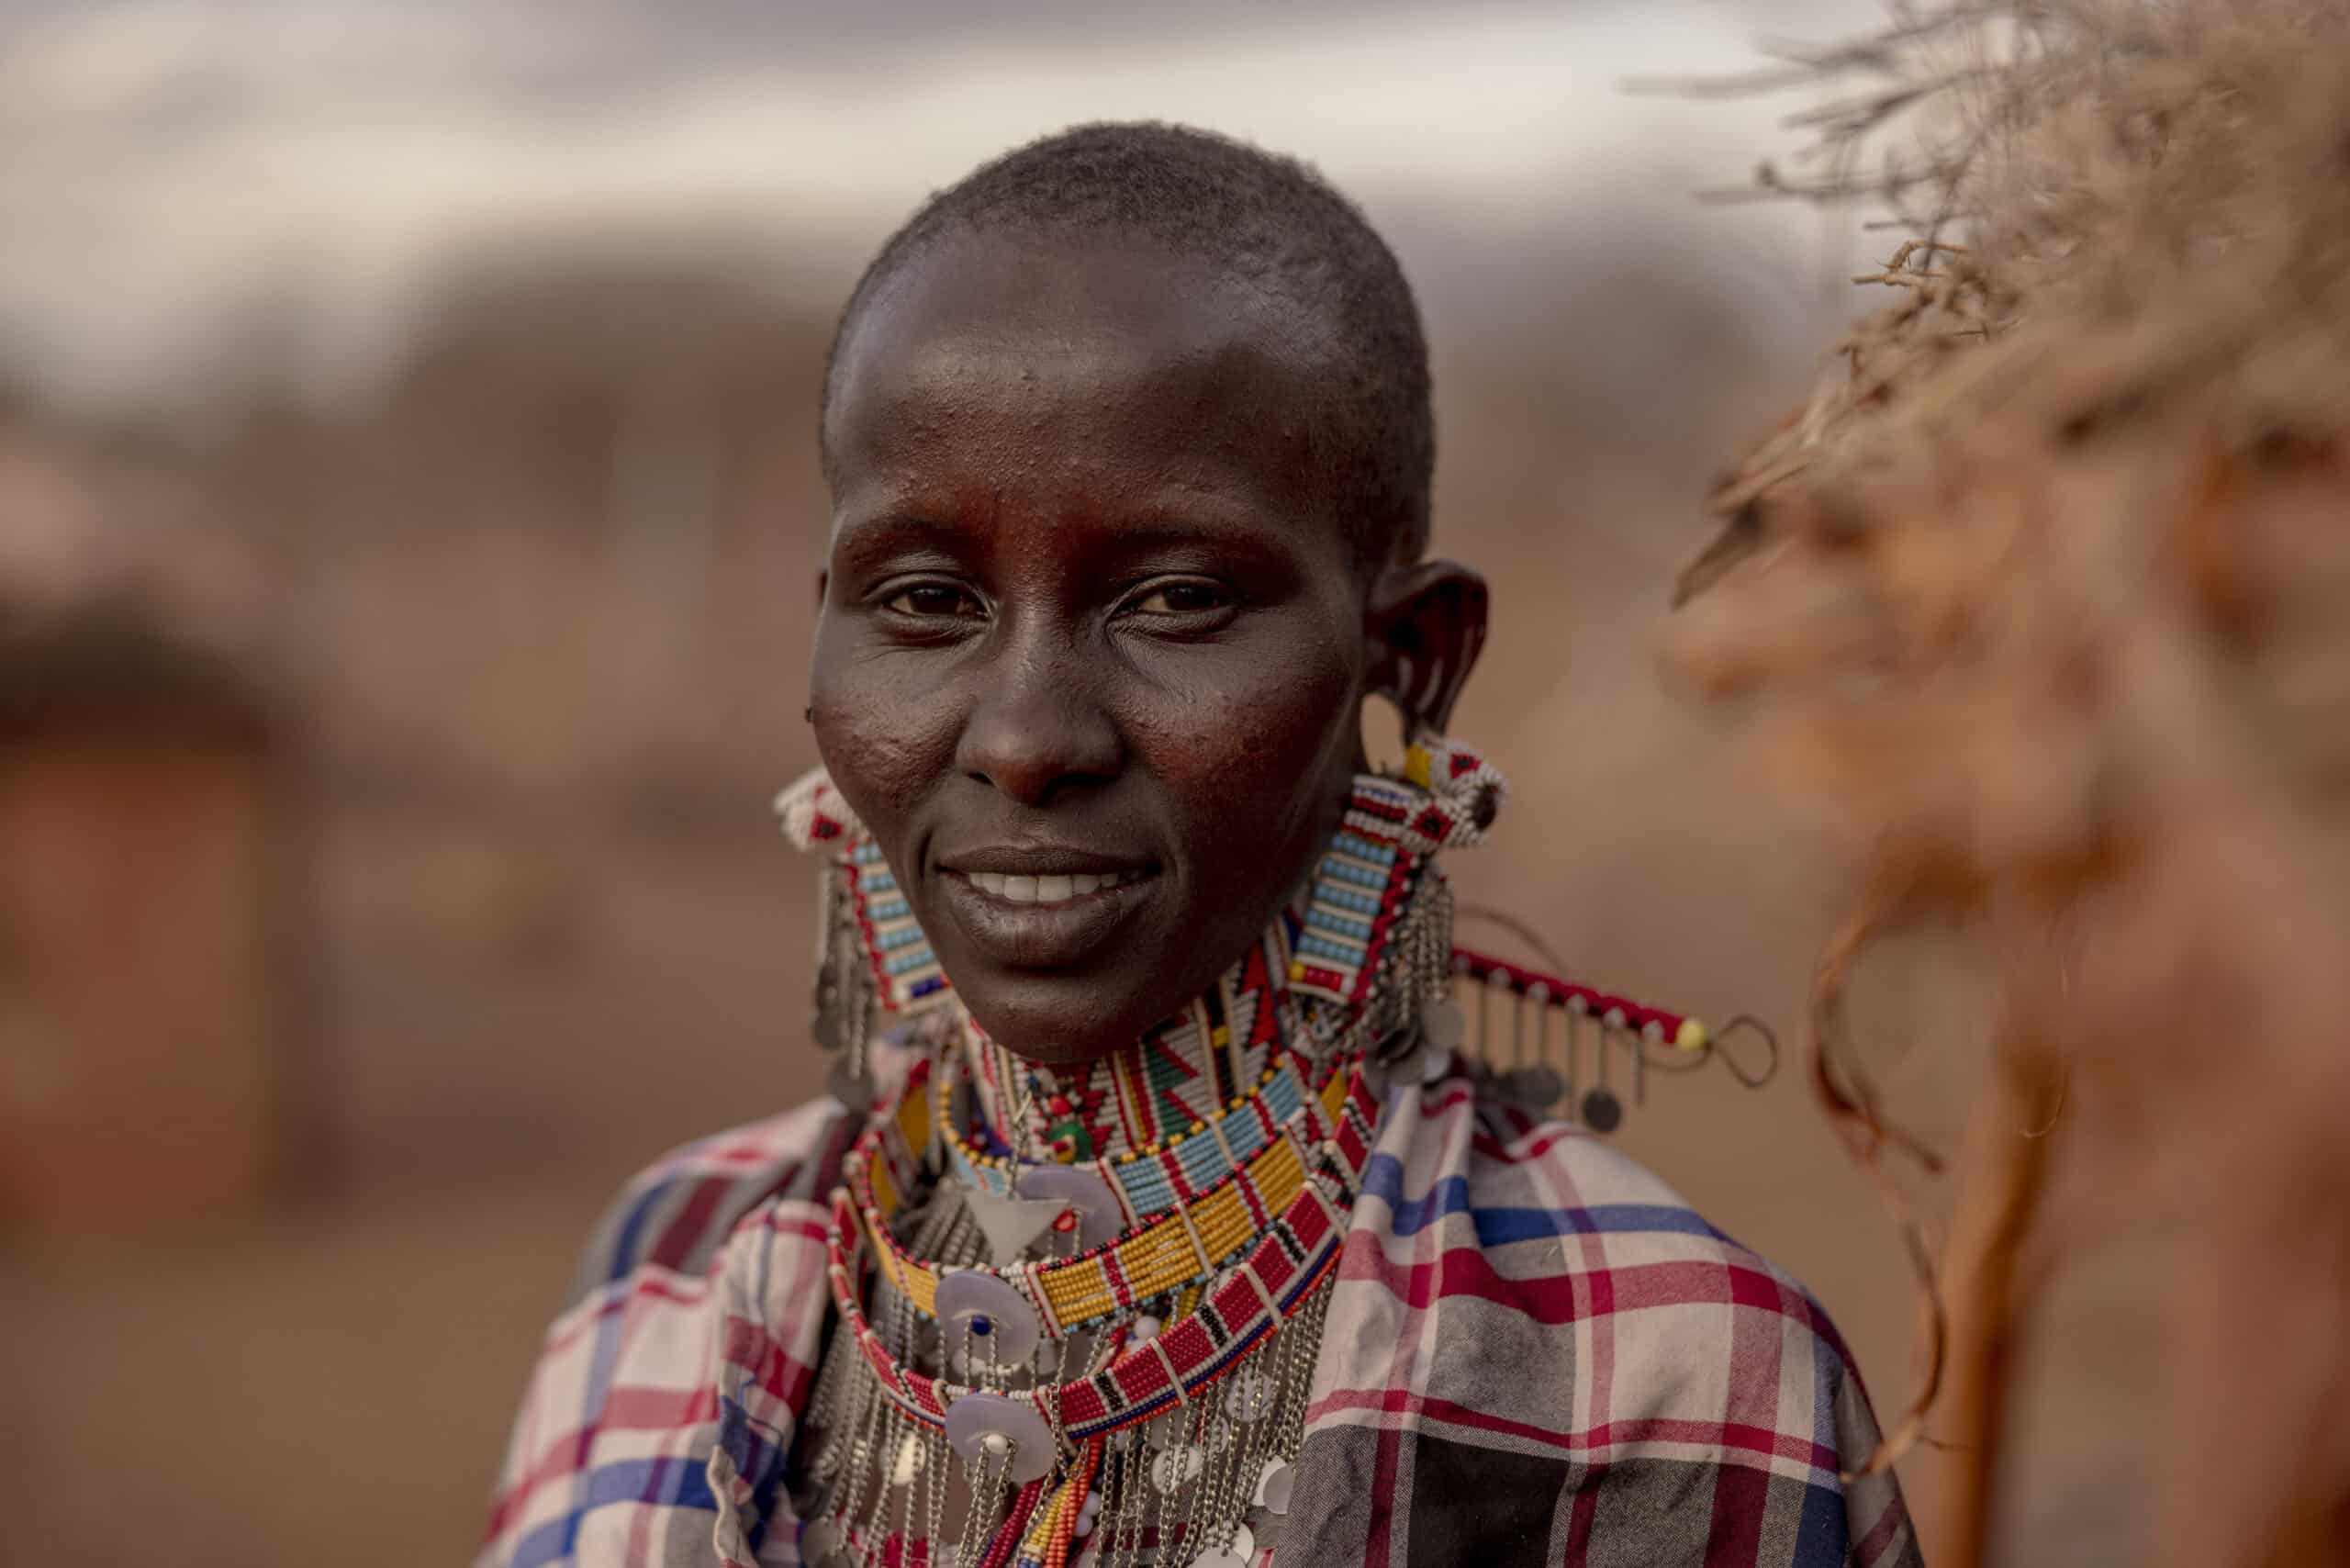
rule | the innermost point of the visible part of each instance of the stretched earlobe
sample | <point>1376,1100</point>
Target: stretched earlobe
<point>1427,623</point>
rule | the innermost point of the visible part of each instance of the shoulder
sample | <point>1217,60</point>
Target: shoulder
<point>1593,1308</point>
<point>620,1416</point>
<point>1550,1197</point>
<point>675,1214</point>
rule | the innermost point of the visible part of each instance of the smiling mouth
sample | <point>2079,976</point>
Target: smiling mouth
<point>1048,890</point>
<point>1038,921</point>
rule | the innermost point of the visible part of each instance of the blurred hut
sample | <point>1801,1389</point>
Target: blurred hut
<point>148,1069</point>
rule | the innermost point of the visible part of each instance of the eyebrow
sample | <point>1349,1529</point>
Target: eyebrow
<point>896,531</point>
<point>1187,517</point>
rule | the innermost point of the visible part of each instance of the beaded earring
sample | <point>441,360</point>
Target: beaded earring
<point>871,958</point>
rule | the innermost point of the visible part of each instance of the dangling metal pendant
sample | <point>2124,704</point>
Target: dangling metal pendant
<point>1273,1486</point>
<point>838,994</point>
<point>1529,1070</point>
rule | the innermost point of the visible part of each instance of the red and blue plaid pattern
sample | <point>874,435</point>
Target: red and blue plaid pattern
<point>1535,1353</point>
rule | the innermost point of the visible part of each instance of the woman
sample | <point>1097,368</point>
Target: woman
<point>1152,1217</point>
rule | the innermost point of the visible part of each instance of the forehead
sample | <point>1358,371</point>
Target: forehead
<point>1030,356</point>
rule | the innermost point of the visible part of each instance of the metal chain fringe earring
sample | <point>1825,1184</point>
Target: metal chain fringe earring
<point>847,995</point>
<point>848,992</point>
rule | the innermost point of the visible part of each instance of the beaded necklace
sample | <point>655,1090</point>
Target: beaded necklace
<point>1138,1394</point>
<point>1185,1244</point>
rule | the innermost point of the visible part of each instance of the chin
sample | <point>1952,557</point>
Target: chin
<point>1064,1020</point>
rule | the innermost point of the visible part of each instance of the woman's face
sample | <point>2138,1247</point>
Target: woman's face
<point>1092,646</point>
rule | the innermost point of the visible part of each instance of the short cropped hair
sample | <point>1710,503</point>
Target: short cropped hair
<point>1266,217</point>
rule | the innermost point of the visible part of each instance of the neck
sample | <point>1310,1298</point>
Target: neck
<point>1216,1049</point>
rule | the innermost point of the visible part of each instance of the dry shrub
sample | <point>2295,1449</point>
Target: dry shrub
<point>2043,600</point>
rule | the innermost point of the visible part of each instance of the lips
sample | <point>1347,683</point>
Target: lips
<point>1041,910</point>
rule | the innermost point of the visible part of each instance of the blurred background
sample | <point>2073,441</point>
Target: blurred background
<point>407,521</point>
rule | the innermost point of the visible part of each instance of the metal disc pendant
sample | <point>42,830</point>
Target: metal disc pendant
<point>1176,1468</point>
<point>1266,1525</point>
<point>1601,1111</point>
<point>1273,1487</point>
<point>1099,1218</point>
<point>1000,1324</point>
<point>1538,1085</point>
<point>1238,1552</point>
<point>1251,1396</point>
<point>1024,1439</point>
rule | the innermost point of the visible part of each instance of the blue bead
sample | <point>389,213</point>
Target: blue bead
<point>981,1325</point>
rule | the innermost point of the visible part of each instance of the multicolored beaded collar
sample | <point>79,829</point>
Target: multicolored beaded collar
<point>1290,1255</point>
<point>1181,1246</point>
<point>1135,1102</point>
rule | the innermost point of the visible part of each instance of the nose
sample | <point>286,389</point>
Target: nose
<point>1038,729</point>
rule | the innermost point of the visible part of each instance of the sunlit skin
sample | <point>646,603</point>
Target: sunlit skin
<point>1089,611</point>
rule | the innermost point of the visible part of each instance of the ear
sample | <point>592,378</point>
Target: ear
<point>1426,624</point>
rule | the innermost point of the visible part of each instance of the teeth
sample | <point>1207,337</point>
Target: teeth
<point>1050,890</point>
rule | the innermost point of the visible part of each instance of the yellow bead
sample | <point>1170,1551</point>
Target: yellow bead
<point>1691,1036</point>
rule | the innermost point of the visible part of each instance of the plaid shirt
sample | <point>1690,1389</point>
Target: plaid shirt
<point>1535,1353</point>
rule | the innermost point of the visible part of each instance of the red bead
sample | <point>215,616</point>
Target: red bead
<point>1058,1105</point>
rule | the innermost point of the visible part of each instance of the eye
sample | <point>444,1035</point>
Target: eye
<point>1182,597</point>
<point>930,601</point>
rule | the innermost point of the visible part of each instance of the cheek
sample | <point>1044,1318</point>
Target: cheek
<point>881,727</point>
<point>1252,749</point>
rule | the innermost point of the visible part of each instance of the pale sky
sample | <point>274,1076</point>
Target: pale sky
<point>174,164</point>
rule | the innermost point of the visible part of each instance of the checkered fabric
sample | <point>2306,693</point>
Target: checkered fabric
<point>1536,1353</point>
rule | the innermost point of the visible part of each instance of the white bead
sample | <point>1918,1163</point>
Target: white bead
<point>1146,1328</point>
